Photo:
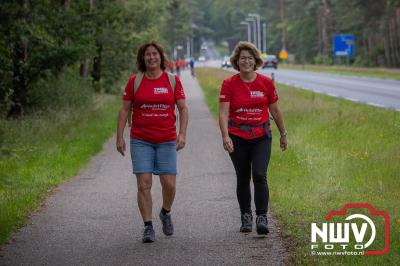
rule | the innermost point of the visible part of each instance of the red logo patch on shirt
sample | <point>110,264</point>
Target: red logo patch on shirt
<point>160,90</point>
<point>256,94</point>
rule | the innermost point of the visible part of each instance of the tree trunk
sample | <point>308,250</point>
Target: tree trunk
<point>173,7</point>
<point>319,32</point>
<point>393,29</point>
<point>84,68</point>
<point>396,30</point>
<point>391,42</point>
<point>386,45</point>
<point>365,42</point>
<point>20,84</point>
<point>325,28</point>
<point>20,79</point>
<point>282,6</point>
<point>398,16</point>
<point>66,41</point>
<point>96,73</point>
<point>66,4</point>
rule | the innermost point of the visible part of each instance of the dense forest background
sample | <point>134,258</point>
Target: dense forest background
<point>59,53</point>
<point>306,27</point>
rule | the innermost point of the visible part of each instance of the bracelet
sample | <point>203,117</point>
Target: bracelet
<point>284,134</point>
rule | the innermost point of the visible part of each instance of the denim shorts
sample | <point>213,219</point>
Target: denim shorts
<point>154,158</point>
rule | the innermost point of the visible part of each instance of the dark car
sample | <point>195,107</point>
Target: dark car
<point>270,61</point>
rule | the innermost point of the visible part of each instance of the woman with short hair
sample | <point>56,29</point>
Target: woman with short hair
<point>246,100</point>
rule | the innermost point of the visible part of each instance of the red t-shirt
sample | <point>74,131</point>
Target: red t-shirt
<point>248,103</point>
<point>153,112</point>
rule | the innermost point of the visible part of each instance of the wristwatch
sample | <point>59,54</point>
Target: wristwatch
<point>284,134</point>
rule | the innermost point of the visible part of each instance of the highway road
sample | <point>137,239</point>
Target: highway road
<point>373,91</point>
<point>382,93</point>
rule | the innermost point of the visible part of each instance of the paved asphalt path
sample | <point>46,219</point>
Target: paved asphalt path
<point>94,218</point>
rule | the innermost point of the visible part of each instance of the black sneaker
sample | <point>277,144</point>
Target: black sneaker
<point>148,235</point>
<point>167,226</point>
<point>247,223</point>
<point>262,225</point>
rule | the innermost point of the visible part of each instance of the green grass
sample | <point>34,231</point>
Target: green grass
<point>40,151</point>
<point>339,152</point>
<point>372,72</point>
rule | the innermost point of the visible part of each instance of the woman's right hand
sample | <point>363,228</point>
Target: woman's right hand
<point>228,144</point>
<point>121,146</point>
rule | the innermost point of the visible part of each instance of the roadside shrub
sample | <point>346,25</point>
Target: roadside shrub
<point>362,61</point>
<point>66,90</point>
<point>323,60</point>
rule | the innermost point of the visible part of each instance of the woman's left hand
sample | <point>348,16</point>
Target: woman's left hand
<point>180,142</point>
<point>283,143</point>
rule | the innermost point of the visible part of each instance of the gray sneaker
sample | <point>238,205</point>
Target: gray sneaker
<point>148,235</point>
<point>167,226</point>
<point>262,225</point>
<point>247,223</point>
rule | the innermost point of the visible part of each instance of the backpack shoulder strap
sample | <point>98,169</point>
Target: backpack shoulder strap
<point>139,77</point>
<point>171,78</point>
<point>172,82</point>
<point>138,80</point>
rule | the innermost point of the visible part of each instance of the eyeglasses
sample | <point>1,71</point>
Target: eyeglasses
<point>244,58</point>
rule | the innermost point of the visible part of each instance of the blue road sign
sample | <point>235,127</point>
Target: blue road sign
<point>343,45</point>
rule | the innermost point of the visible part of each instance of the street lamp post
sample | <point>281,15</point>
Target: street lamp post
<point>188,47</point>
<point>264,37</point>
<point>253,20</point>
<point>256,17</point>
<point>248,29</point>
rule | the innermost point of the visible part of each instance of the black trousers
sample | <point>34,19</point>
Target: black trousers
<point>250,159</point>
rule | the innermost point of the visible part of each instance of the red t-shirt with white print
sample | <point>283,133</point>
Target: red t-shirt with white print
<point>153,111</point>
<point>248,103</point>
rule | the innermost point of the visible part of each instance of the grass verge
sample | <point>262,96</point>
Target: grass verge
<point>339,152</point>
<point>40,151</point>
<point>371,72</point>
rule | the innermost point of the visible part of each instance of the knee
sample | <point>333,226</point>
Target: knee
<point>168,183</point>
<point>259,178</point>
<point>243,181</point>
<point>144,186</point>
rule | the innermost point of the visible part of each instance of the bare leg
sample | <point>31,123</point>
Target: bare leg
<point>168,183</point>
<point>145,202</point>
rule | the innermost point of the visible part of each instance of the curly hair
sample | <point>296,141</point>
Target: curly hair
<point>246,46</point>
<point>140,64</point>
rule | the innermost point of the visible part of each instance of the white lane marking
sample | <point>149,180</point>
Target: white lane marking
<point>332,94</point>
<point>375,104</point>
<point>351,99</point>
